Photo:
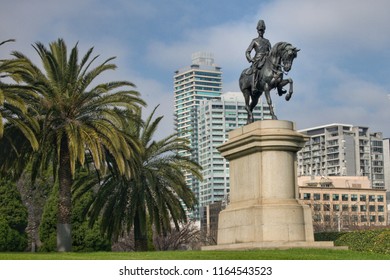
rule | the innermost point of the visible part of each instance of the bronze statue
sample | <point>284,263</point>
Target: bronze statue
<point>267,70</point>
<point>261,46</point>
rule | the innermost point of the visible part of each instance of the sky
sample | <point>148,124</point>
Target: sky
<point>341,74</point>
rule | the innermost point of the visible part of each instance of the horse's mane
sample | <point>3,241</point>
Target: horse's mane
<point>275,50</point>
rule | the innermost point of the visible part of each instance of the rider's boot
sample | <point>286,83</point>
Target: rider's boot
<point>254,82</point>
<point>281,91</point>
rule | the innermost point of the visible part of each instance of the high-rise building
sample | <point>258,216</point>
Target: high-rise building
<point>202,80</point>
<point>217,117</point>
<point>343,150</point>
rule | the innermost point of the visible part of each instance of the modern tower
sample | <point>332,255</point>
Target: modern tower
<point>202,80</point>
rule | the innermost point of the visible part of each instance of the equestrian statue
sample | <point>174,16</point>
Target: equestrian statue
<point>269,65</point>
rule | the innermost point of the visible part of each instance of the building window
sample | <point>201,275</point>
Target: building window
<point>317,207</point>
<point>344,197</point>
<point>354,218</point>
<point>371,198</point>
<point>354,208</point>
<point>316,196</point>
<point>345,207</point>
<point>363,208</point>
<point>363,218</point>
<point>381,218</point>
<point>354,197</point>
<point>372,218</point>
<point>306,196</point>
<point>335,197</point>
<point>336,207</point>
<point>371,208</point>
<point>326,196</point>
<point>381,208</point>
<point>380,198</point>
<point>363,197</point>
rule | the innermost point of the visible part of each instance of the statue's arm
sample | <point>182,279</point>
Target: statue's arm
<point>269,45</point>
<point>249,50</point>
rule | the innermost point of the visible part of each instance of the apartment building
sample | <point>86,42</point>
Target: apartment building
<point>343,150</point>
<point>343,202</point>
<point>202,80</point>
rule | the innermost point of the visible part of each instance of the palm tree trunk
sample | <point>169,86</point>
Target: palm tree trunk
<point>64,225</point>
<point>140,234</point>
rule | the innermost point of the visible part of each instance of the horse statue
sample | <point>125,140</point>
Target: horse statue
<point>277,63</point>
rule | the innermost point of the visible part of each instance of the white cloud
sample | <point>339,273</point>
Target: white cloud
<point>333,72</point>
<point>335,36</point>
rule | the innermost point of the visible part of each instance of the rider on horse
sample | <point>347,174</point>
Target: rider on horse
<point>262,47</point>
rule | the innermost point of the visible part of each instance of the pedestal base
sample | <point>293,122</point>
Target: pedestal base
<point>286,221</point>
<point>264,211</point>
<point>273,245</point>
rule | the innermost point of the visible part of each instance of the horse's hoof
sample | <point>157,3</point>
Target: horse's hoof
<point>288,97</point>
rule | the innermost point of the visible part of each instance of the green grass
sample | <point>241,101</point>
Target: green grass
<point>291,254</point>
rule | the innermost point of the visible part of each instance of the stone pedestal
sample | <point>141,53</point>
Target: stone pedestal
<point>264,211</point>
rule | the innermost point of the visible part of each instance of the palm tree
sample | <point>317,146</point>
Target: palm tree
<point>76,119</point>
<point>157,192</point>
<point>13,109</point>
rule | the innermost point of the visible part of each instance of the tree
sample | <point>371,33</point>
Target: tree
<point>76,119</point>
<point>13,106</point>
<point>84,238</point>
<point>13,218</point>
<point>156,193</point>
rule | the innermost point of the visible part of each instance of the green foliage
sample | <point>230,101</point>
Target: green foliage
<point>156,191</point>
<point>377,240</point>
<point>47,228</point>
<point>328,235</point>
<point>84,238</point>
<point>13,218</point>
<point>69,118</point>
<point>10,239</point>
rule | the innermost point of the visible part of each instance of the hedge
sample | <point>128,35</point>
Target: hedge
<point>373,240</point>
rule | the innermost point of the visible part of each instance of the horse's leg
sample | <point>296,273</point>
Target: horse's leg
<point>269,101</point>
<point>290,90</point>
<point>255,100</point>
<point>247,97</point>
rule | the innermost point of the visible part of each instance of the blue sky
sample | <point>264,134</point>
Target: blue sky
<point>341,74</point>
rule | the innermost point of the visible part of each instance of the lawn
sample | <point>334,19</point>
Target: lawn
<point>290,254</point>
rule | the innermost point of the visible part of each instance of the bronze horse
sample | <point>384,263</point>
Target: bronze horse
<point>270,76</point>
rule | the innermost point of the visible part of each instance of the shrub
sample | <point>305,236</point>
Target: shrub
<point>84,238</point>
<point>13,218</point>
<point>376,240</point>
<point>328,235</point>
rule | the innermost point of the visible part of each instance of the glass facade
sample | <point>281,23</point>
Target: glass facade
<point>200,81</point>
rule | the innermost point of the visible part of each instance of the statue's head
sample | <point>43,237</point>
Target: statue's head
<point>261,25</point>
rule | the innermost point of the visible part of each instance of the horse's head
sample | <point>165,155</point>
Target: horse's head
<point>288,56</point>
<point>283,54</point>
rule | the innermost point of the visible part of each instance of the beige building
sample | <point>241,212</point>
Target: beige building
<point>343,202</point>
